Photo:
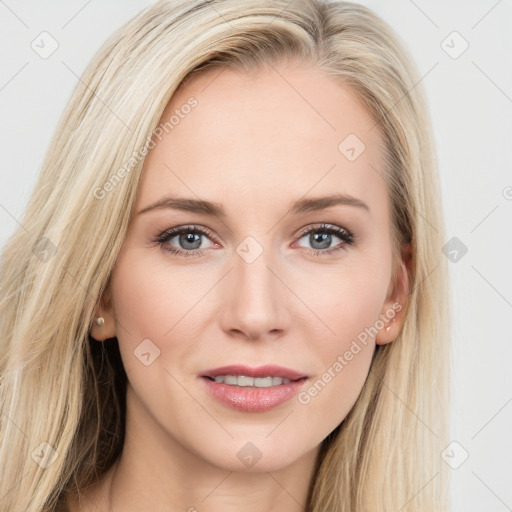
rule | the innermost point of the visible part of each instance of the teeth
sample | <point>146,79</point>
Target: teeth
<point>243,381</point>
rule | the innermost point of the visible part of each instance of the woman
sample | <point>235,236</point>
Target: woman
<point>234,296</point>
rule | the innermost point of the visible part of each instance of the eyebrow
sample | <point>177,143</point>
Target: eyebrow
<point>217,210</point>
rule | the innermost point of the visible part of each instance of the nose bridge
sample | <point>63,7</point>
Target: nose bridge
<point>256,305</point>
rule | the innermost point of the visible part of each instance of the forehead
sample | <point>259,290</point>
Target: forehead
<point>279,132</point>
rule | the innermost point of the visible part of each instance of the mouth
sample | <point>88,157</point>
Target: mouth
<point>257,382</point>
<point>253,389</point>
<point>261,377</point>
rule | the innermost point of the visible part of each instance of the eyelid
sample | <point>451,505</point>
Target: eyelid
<point>188,227</point>
<point>322,225</point>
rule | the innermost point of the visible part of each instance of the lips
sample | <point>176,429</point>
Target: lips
<point>261,371</point>
<point>252,399</point>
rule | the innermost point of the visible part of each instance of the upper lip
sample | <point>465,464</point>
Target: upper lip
<point>268,370</point>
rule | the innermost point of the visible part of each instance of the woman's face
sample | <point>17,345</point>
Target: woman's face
<point>284,259</point>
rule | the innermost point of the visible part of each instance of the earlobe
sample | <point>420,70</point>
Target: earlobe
<point>391,328</point>
<point>394,308</point>
<point>103,323</point>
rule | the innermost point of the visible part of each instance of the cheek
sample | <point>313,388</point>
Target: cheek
<point>141,303</point>
<point>149,296</point>
<point>156,301</point>
<point>137,296</point>
<point>348,303</point>
<point>153,305</point>
<point>347,300</point>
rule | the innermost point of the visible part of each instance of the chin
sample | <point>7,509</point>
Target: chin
<point>253,454</point>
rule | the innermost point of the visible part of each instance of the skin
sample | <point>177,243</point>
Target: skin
<point>254,144</point>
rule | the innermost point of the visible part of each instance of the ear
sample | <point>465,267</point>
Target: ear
<point>104,309</point>
<point>395,305</point>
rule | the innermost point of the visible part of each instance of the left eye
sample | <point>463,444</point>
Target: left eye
<point>321,238</point>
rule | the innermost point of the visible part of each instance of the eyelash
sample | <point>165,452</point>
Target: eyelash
<point>344,234</point>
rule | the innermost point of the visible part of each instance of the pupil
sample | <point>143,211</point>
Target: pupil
<point>323,238</point>
<point>190,238</point>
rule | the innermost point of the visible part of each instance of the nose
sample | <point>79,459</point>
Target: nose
<point>255,305</point>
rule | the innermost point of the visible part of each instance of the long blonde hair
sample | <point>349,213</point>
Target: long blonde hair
<point>63,397</point>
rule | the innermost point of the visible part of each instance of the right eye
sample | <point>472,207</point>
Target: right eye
<point>188,238</point>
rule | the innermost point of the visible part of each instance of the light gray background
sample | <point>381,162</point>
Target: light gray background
<point>471,104</point>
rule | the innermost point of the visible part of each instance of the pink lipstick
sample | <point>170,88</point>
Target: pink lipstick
<point>253,389</point>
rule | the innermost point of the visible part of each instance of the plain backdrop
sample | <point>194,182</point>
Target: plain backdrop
<point>463,52</point>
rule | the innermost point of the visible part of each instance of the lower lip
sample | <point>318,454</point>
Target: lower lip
<point>253,399</point>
